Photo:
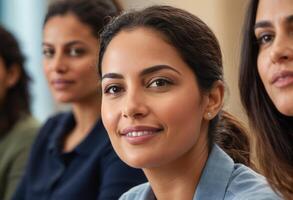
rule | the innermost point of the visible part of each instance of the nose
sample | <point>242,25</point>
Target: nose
<point>282,49</point>
<point>135,106</point>
<point>58,63</point>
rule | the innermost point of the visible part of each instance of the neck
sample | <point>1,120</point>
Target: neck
<point>86,115</point>
<point>179,179</point>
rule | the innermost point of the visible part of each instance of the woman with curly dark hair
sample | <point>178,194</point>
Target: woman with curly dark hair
<point>17,127</point>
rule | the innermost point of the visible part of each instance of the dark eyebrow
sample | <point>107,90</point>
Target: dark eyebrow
<point>144,72</point>
<point>112,75</point>
<point>263,24</point>
<point>156,68</point>
<point>71,43</point>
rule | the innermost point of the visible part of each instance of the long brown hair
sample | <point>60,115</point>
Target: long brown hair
<point>199,48</point>
<point>273,130</point>
<point>16,102</point>
<point>232,136</point>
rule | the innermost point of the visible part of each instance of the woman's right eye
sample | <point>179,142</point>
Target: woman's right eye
<point>48,53</point>
<point>265,39</point>
<point>113,90</point>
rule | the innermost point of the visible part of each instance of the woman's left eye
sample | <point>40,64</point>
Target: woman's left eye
<point>159,83</point>
<point>76,52</point>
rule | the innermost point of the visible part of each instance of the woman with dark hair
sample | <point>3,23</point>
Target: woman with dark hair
<point>72,157</point>
<point>17,127</point>
<point>266,88</point>
<point>162,82</point>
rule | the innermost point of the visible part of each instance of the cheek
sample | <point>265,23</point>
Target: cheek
<point>109,116</point>
<point>263,67</point>
<point>181,112</point>
<point>263,63</point>
<point>45,68</point>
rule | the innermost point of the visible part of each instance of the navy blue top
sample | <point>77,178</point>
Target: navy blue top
<point>91,171</point>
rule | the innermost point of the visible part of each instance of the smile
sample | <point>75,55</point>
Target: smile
<point>139,133</point>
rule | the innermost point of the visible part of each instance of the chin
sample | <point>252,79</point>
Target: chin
<point>286,111</point>
<point>141,161</point>
<point>61,99</point>
<point>286,108</point>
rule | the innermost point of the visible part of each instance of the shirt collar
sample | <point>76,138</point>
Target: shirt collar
<point>215,176</point>
<point>65,122</point>
<point>96,138</point>
<point>214,179</point>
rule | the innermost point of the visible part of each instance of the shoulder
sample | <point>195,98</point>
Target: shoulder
<point>26,127</point>
<point>140,192</point>
<point>48,129</point>
<point>23,133</point>
<point>56,119</point>
<point>51,124</point>
<point>246,184</point>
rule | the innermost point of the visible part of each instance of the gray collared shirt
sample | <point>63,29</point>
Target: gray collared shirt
<point>221,179</point>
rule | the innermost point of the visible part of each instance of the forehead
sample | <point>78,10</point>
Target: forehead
<point>140,48</point>
<point>66,27</point>
<point>272,10</point>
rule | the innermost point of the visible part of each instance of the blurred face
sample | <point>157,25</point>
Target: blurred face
<point>151,106</point>
<point>70,56</point>
<point>274,31</point>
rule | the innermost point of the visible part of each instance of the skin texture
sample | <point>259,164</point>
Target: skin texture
<point>148,88</point>
<point>274,31</point>
<point>70,55</point>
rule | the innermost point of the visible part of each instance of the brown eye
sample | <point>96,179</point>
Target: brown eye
<point>265,38</point>
<point>159,83</point>
<point>48,53</point>
<point>75,52</point>
<point>113,89</point>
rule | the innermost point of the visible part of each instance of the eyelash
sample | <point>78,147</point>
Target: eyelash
<point>166,82</point>
<point>72,52</point>
<point>108,89</point>
<point>262,39</point>
<point>77,52</point>
<point>48,53</point>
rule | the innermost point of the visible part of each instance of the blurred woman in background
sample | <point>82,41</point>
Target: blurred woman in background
<point>72,157</point>
<point>266,88</point>
<point>17,126</point>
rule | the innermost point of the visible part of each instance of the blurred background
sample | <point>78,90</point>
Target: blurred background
<point>24,19</point>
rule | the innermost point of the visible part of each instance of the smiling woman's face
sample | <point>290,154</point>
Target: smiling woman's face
<point>274,31</point>
<point>152,107</point>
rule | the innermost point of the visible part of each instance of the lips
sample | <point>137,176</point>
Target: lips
<point>140,135</point>
<point>61,84</point>
<point>138,131</point>
<point>282,79</point>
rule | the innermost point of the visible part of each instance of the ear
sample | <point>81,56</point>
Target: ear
<point>13,74</point>
<point>215,100</point>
